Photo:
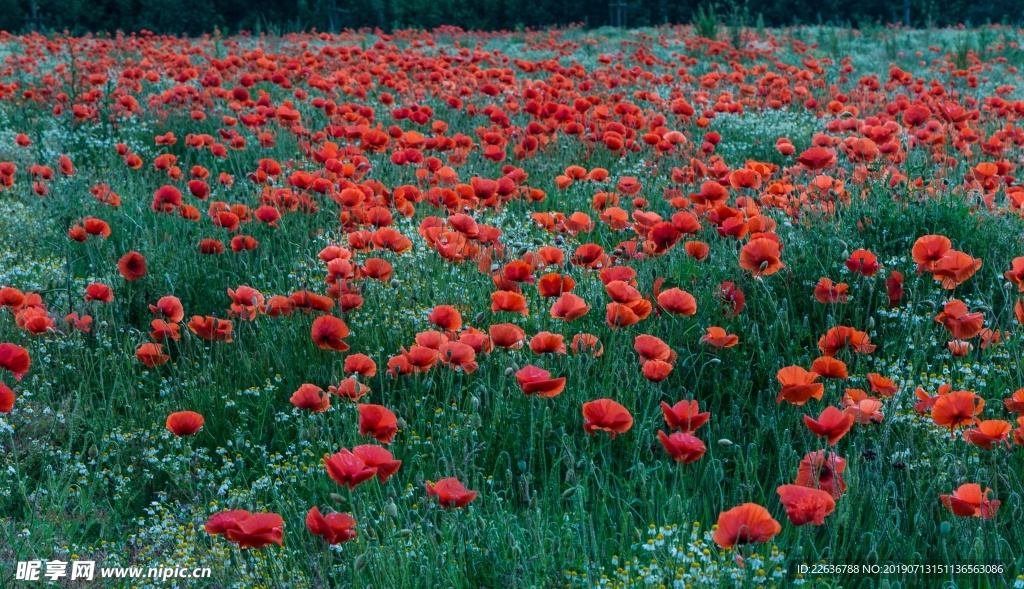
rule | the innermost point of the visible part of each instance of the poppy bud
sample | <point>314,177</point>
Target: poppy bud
<point>360,562</point>
<point>391,509</point>
<point>337,498</point>
<point>476,422</point>
<point>570,475</point>
<point>474,402</point>
<point>400,423</point>
<point>510,371</point>
<point>404,532</point>
<point>93,452</point>
<point>395,283</point>
<point>569,492</point>
<point>871,322</point>
<point>945,528</point>
<point>725,442</point>
<point>522,465</point>
<point>303,434</point>
<point>495,267</point>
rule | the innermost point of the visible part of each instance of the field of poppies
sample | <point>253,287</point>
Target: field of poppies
<point>567,308</point>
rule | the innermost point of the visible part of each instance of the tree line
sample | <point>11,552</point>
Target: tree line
<point>193,17</point>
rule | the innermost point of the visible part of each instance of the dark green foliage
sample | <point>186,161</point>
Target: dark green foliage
<point>203,16</point>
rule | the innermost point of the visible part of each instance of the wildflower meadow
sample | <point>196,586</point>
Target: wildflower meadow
<point>663,307</point>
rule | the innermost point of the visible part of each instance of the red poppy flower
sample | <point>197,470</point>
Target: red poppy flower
<point>894,287</point>
<point>832,424</point>
<point>14,359</point>
<point>829,367</point>
<point>569,307</point>
<point>684,416</point>
<point>837,338</point>
<point>586,343</point>
<point>12,298</point>
<point>761,256</point>
<point>184,423</point>
<point>958,322</point>
<point>446,317</point>
<point>607,415</point>
<point>798,385</point>
<point>170,307</point>
<point>989,434</point>
<point>329,333</point>
<point>151,355</point>
<point>507,335</point>
<point>350,388</point>
<point>954,268</point>
<point>546,342</point>
<point>805,505</point>
<point>862,262</point>
<point>6,398</point>
<point>827,292</point>
<point>817,158</point>
<point>819,470</point>
<point>450,493</point>
<point>379,459</point>
<point>733,299</point>
<point>957,409</point>
<point>335,528</point>
<point>864,409</point>
<point>1015,402</point>
<point>257,530</point>
<point>678,302</point>
<point>348,469</point>
<point>682,447</point>
<point>745,524</point>
<point>311,398</point>
<point>377,421</point>
<point>969,501</point>
<point>534,380</point>
<point>504,300</point>
<point>361,365</point>
<point>718,338</point>
<point>132,266</point>
<point>223,521</point>
<point>880,385</point>
<point>928,250</point>
<point>211,246</point>
<point>211,328</point>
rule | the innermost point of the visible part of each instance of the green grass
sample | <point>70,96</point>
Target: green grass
<point>91,472</point>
